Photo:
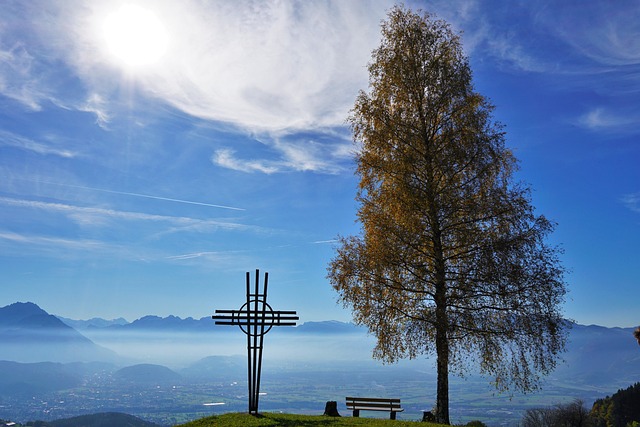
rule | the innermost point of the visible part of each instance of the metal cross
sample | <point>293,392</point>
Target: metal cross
<point>255,318</point>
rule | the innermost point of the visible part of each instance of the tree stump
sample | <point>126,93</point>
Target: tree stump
<point>331,409</point>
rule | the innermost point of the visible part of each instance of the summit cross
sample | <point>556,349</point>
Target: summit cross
<point>255,318</point>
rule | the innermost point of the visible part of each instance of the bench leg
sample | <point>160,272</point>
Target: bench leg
<point>356,413</point>
<point>392,415</point>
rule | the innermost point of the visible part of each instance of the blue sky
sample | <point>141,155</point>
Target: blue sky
<point>143,170</point>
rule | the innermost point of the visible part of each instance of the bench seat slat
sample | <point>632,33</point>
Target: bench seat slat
<point>372,405</point>
<point>371,399</point>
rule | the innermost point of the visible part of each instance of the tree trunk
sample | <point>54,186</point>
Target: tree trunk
<point>442,353</point>
<point>442,327</point>
<point>442,399</point>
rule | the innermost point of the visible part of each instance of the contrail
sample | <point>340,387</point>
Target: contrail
<point>146,196</point>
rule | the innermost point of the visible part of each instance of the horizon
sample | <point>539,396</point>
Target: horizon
<point>345,322</point>
<point>147,174</point>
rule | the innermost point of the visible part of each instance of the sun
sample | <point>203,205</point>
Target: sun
<point>135,37</point>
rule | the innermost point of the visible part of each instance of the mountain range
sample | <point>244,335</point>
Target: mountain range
<point>189,324</point>
<point>27,332</point>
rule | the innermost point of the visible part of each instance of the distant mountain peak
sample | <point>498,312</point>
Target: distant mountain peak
<point>21,310</point>
<point>29,333</point>
<point>29,316</point>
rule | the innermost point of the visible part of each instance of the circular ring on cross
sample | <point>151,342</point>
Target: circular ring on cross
<point>259,316</point>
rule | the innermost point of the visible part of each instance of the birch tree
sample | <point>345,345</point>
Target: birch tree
<point>452,258</point>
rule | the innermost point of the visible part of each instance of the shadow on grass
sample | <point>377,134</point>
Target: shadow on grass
<point>285,420</point>
<point>271,419</point>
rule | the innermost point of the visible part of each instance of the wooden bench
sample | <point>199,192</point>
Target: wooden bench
<point>357,404</point>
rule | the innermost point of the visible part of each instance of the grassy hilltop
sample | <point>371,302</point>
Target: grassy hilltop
<point>291,420</point>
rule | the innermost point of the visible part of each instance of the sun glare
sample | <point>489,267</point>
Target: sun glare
<point>135,36</point>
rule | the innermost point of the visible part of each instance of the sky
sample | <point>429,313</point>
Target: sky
<point>153,151</point>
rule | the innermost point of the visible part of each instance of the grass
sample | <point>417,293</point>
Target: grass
<point>291,420</point>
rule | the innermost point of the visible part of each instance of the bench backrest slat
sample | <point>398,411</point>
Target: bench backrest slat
<point>371,399</point>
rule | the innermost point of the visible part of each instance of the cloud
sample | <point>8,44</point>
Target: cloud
<point>144,196</point>
<point>326,153</point>
<point>227,159</point>
<point>295,158</point>
<point>510,52</point>
<point>98,217</point>
<point>484,36</point>
<point>569,37</point>
<point>13,140</point>
<point>117,241</point>
<point>17,79</point>
<point>601,119</point>
<point>117,238</point>
<point>74,248</point>
<point>54,244</point>
<point>272,68</point>
<point>324,242</point>
<point>308,155</point>
<point>599,31</point>
<point>632,201</point>
<point>217,257</point>
<point>96,104</point>
<point>268,66</point>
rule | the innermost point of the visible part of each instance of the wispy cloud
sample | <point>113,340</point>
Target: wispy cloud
<point>13,140</point>
<point>115,245</point>
<point>144,196</point>
<point>324,242</point>
<point>17,76</point>
<point>512,53</point>
<point>632,201</point>
<point>72,248</point>
<point>54,244</point>
<point>123,234</point>
<point>92,216</point>
<point>302,154</point>
<point>311,155</point>
<point>605,34</point>
<point>295,158</point>
<point>572,37</point>
<point>601,119</point>
<point>96,105</point>
<point>222,260</point>
<point>207,255</point>
<point>226,158</point>
<point>483,37</point>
